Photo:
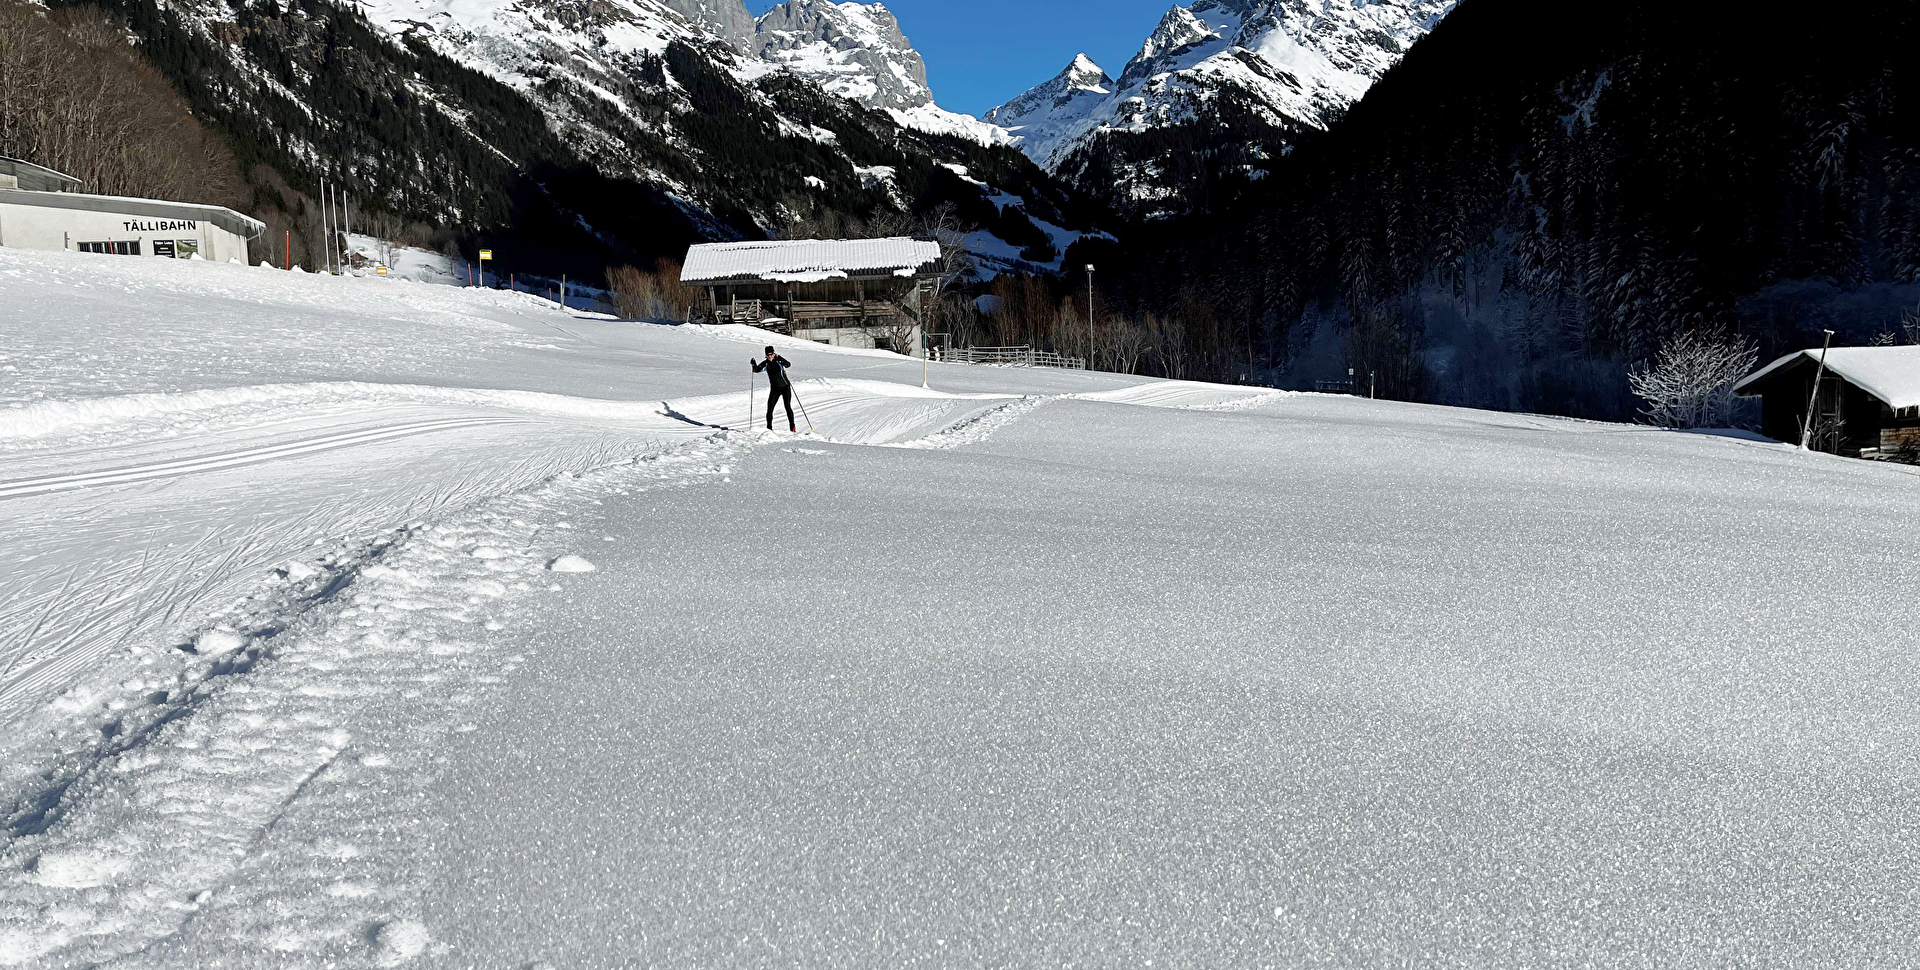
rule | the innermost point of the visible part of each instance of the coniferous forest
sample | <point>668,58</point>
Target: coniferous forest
<point>1528,205</point>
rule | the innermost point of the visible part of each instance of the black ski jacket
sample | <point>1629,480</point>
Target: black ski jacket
<point>776,371</point>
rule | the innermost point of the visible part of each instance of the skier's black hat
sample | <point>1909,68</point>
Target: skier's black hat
<point>769,351</point>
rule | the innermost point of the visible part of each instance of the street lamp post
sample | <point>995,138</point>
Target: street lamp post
<point>1089,316</point>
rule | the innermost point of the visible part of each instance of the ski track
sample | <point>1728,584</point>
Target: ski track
<point>391,635</point>
<point>177,800</point>
<point>174,794</point>
<point>238,459</point>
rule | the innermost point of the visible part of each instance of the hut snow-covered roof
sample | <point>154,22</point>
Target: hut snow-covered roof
<point>808,260</point>
<point>1891,374</point>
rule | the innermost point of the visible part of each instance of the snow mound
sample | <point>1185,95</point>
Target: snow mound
<point>298,571</point>
<point>571,564</point>
<point>399,941</point>
<point>215,642</point>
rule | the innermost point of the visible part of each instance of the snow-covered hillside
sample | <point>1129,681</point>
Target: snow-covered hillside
<point>855,51</point>
<point>1266,64</point>
<point>358,622</point>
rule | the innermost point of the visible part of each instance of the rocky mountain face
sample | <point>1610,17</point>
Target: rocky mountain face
<point>727,20</point>
<point>1215,93</point>
<point>852,50</point>
<point>857,51</point>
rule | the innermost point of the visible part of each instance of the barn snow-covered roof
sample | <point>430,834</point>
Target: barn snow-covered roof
<point>808,260</point>
<point>1891,374</point>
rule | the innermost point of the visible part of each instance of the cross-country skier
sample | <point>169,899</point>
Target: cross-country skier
<point>779,388</point>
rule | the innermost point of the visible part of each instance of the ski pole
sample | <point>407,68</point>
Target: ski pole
<point>750,383</point>
<point>803,407</point>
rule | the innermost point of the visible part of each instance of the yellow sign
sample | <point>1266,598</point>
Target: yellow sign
<point>382,271</point>
<point>486,254</point>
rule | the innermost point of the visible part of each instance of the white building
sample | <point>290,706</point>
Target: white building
<point>40,210</point>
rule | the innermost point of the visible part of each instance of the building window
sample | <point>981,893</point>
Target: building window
<point>131,248</point>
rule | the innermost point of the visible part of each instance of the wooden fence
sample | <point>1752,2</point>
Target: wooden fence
<point>1008,357</point>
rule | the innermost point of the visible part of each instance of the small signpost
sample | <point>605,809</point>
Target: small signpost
<point>485,254</point>
<point>381,271</point>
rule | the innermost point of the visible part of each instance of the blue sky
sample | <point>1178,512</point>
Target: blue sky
<point>981,53</point>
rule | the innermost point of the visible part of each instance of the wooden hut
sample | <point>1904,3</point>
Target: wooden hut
<point>1868,403</point>
<point>846,292</point>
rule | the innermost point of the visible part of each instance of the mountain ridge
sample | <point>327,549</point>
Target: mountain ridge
<point>587,134</point>
<point>1233,78</point>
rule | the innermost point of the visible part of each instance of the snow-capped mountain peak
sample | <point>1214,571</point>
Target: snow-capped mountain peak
<point>1085,73</point>
<point>1044,118</point>
<point>1179,31</point>
<point>857,51</point>
<point>1266,63</point>
<point>853,50</point>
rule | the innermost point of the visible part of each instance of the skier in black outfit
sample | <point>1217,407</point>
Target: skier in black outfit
<point>780,389</point>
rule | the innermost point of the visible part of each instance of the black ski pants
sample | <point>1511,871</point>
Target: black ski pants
<point>780,394</point>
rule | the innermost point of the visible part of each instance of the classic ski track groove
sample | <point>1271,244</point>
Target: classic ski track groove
<point>236,459</point>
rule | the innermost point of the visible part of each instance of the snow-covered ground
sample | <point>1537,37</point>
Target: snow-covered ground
<point>406,262</point>
<point>358,622</point>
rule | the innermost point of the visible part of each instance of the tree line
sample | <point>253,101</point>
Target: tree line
<point>78,99</point>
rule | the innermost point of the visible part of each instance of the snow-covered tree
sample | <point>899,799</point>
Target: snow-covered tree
<point>1690,382</point>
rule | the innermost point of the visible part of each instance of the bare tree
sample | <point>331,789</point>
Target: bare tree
<point>1690,382</point>
<point>1127,343</point>
<point>79,98</point>
<point>1175,350</point>
<point>954,264</point>
<point>657,295</point>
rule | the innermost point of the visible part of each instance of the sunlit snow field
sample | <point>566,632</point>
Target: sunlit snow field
<point>361,622</point>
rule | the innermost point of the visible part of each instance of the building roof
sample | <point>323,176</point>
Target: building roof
<point>1891,374</point>
<point>37,178</point>
<point>246,227</point>
<point>809,260</point>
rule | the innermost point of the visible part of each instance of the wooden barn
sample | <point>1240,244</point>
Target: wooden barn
<point>1868,403</point>
<point>845,292</point>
